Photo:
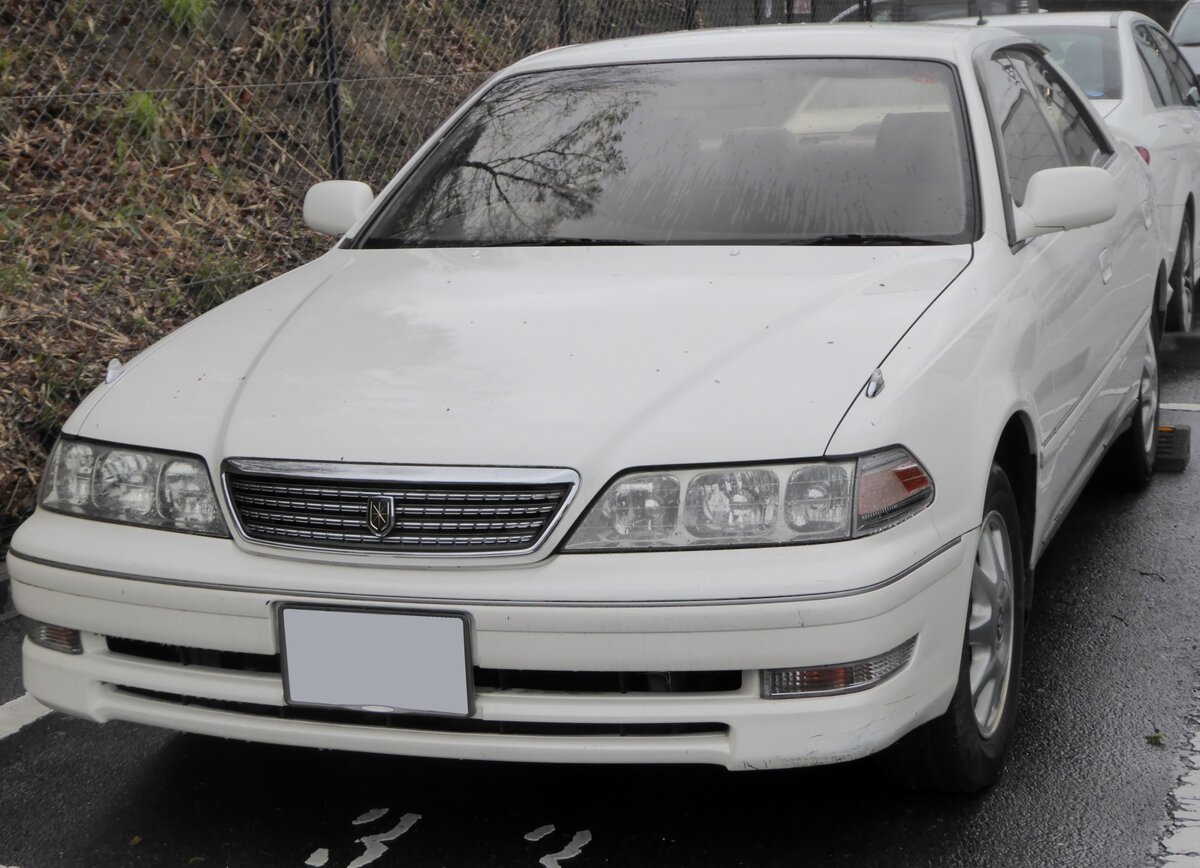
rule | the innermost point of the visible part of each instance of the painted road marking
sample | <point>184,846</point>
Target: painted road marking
<point>375,846</point>
<point>1187,408</point>
<point>22,711</point>
<point>570,851</point>
<point>370,816</point>
<point>539,833</point>
<point>1180,847</point>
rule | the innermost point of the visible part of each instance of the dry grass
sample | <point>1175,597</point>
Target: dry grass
<point>139,186</point>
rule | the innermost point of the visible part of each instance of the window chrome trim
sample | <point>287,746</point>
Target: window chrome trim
<point>400,473</point>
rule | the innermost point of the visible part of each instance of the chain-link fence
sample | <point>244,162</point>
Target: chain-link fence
<point>154,153</point>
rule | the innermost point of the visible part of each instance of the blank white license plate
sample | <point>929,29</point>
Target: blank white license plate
<point>376,660</point>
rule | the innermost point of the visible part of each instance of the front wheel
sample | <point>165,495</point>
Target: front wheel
<point>1181,307</point>
<point>963,750</point>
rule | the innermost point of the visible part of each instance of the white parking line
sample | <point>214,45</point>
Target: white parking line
<point>1180,846</point>
<point>1189,408</point>
<point>22,711</point>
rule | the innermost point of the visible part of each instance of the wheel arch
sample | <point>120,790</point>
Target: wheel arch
<point>1016,453</point>
<point>1189,214</point>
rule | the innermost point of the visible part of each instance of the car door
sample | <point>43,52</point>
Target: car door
<point>1085,280</point>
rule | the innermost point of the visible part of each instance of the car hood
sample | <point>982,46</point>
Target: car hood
<point>603,357</point>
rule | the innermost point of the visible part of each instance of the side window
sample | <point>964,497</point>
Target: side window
<point>1026,138</point>
<point>1163,88</point>
<point>1182,74</point>
<point>1083,147</point>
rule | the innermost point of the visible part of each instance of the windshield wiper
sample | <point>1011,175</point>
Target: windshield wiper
<point>851,239</point>
<point>560,242</point>
<point>398,243</point>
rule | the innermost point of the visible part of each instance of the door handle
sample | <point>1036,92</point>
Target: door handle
<point>1187,128</point>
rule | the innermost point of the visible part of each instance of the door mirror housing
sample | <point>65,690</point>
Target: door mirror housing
<point>333,207</point>
<point>1069,197</point>
<point>1193,96</point>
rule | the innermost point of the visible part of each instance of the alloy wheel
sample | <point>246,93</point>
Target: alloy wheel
<point>1148,400</point>
<point>990,625</point>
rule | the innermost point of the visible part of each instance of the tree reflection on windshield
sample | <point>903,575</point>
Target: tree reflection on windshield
<point>503,177</point>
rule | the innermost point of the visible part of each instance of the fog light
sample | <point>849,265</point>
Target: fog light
<point>839,678</point>
<point>55,638</point>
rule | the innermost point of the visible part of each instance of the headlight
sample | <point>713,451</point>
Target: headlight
<point>763,505</point>
<point>131,486</point>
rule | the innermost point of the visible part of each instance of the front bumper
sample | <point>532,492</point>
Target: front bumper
<point>730,727</point>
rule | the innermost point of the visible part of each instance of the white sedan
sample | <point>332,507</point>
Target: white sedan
<point>1145,90</point>
<point>701,398</point>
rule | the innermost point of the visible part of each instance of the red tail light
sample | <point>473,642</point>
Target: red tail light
<point>1144,152</point>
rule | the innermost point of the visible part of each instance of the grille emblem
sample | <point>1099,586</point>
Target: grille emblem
<point>381,515</point>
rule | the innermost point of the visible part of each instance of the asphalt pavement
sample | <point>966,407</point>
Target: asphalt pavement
<point>1107,717</point>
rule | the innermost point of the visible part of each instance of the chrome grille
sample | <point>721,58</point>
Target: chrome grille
<point>436,511</point>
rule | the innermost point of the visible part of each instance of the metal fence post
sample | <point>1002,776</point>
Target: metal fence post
<point>564,22</point>
<point>333,104</point>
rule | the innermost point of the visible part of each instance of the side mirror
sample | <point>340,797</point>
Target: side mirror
<point>1069,197</point>
<point>1193,96</point>
<point>333,207</point>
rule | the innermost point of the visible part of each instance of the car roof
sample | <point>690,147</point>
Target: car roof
<point>900,40</point>
<point>1066,19</point>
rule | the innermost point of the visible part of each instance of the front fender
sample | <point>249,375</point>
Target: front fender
<point>952,384</point>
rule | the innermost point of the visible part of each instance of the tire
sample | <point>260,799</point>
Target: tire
<point>963,750</point>
<point>1181,307</point>
<point>1130,461</point>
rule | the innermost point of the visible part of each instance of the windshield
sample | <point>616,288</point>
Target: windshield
<point>1088,54</point>
<point>1187,29</point>
<point>716,152</point>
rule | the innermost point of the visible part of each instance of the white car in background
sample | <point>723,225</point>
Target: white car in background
<point>1144,89</point>
<point>1185,32</point>
<point>639,419</point>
